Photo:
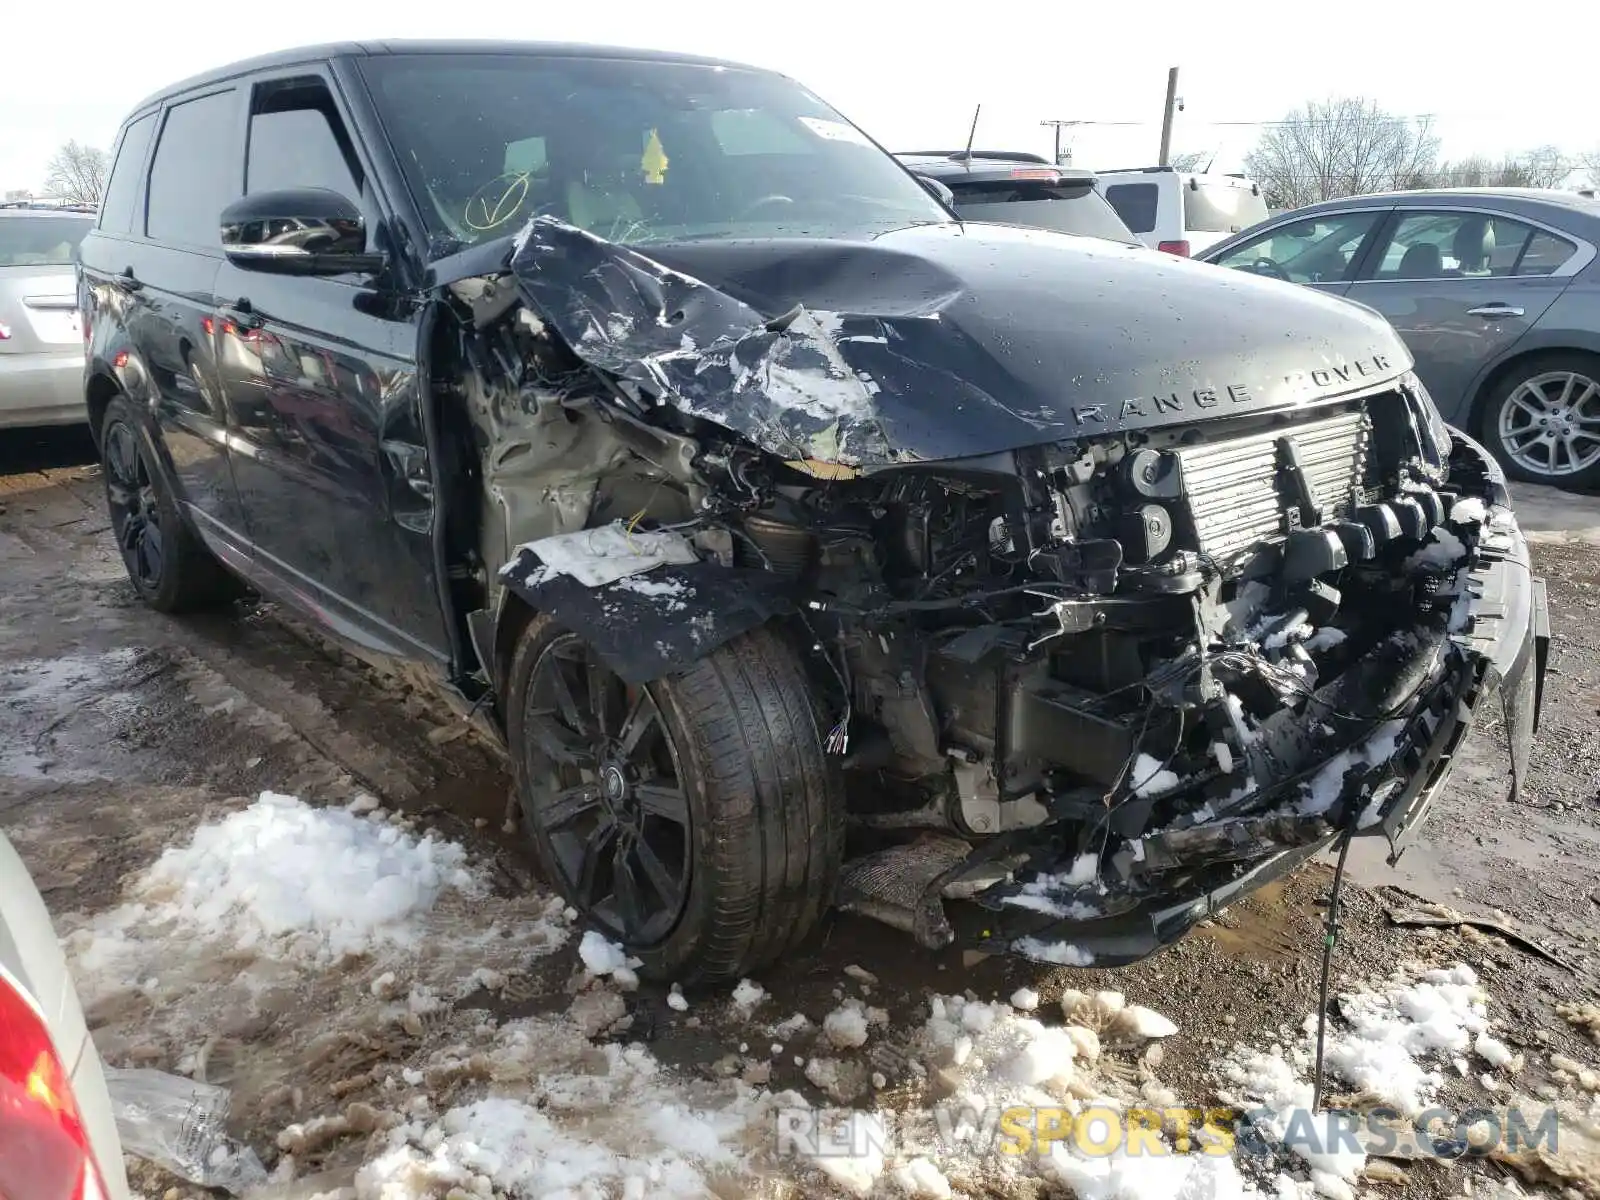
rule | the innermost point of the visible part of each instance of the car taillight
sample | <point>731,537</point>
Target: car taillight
<point>1179,248</point>
<point>44,1147</point>
<point>5,332</point>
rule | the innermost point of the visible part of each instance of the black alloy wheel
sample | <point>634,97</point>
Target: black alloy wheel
<point>135,507</point>
<point>611,805</point>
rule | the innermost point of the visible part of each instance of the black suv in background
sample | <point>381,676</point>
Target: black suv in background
<point>697,452</point>
<point>1017,188</point>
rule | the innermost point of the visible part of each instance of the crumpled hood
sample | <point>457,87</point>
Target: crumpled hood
<point>943,341</point>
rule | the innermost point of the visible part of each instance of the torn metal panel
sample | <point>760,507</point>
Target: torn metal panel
<point>935,343</point>
<point>654,624</point>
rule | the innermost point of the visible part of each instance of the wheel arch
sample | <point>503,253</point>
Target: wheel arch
<point>1570,341</point>
<point>99,391</point>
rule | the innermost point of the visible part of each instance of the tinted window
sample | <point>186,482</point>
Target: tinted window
<point>632,151</point>
<point>41,241</point>
<point>1544,254</point>
<point>196,172</point>
<point>1136,204</point>
<point>1316,250</point>
<point>1457,245</point>
<point>1213,207</point>
<point>297,148</point>
<point>116,206</point>
<point>1080,210</point>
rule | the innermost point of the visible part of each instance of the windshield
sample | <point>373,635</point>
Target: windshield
<point>634,151</point>
<point>41,241</point>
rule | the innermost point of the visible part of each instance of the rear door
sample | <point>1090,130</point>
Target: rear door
<point>1217,207</point>
<point>1462,286</point>
<point>166,281</point>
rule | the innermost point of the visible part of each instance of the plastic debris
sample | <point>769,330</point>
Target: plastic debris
<point>181,1126</point>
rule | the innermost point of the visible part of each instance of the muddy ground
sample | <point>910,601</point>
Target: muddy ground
<point>121,729</point>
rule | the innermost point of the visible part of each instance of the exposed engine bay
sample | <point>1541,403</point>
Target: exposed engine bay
<point>1094,685</point>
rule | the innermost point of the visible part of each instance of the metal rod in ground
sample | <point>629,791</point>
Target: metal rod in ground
<point>1330,935</point>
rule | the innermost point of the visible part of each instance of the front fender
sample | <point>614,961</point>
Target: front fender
<point>654,622</point>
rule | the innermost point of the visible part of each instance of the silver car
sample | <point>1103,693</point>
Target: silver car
<point>1496,292</point>
<point>41,340</point>
<point>58,1135</point>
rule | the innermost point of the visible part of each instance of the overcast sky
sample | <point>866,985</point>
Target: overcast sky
<point>1497,77</point>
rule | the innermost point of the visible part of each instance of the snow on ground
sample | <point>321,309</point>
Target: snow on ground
<point>284,880</point>
<point>1389,1047</point>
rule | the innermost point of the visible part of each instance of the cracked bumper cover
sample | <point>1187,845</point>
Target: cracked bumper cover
<point>1496,649</point>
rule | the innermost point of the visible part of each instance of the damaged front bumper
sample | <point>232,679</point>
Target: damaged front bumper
<point>1496,645</point>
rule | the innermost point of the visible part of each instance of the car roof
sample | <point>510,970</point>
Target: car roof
<point>332,50</point>
<point>987,167</point>
<point>1532,202</point>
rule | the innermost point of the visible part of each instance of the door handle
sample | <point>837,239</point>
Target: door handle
<point>127,281</point>
<point>1496,311</point>
<point>243,314</point>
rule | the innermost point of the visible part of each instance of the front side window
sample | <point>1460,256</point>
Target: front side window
<point>633,151</point>
<point>1136,204</point>
<point>195,174</point>
<point>1316,250</point>
<point>297,140</point>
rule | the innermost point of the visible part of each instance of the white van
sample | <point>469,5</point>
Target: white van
<point>1181,212</point>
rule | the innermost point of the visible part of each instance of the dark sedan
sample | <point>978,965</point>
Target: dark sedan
<point>1496,293</point>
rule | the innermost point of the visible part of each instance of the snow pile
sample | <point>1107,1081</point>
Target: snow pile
<point>1152,778</point>
<point>989,1057</point>
<point>1321,791</point>
<point>1384,1053</point>
<point>281,879</point>
<point>606,959</point>
<point>566,1118</point>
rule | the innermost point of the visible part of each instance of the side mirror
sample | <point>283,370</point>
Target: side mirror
<point>937,190</point>
<point>298,231</point>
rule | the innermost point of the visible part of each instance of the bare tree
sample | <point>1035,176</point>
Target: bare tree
<point>1341,147</point>
<point>1590,163</point>
<point>77,174</point>
<point>1545,167</point>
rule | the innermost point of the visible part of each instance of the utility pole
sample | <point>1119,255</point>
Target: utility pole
<point>1058,126</point>
<point>1166,117</point>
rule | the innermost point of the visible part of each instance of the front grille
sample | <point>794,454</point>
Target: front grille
<point>1235,488</point>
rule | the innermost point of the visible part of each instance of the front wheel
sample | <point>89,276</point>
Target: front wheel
<point>694,819</point>
<point>1543,421</point>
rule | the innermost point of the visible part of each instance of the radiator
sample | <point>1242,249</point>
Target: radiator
<point>1235,488</point>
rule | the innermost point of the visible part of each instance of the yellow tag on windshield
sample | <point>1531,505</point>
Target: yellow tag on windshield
<point>655,160</point>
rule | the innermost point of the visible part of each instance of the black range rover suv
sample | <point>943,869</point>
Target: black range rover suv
<point>753,499</point>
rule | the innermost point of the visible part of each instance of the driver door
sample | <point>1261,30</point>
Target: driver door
<point>1324,251</point>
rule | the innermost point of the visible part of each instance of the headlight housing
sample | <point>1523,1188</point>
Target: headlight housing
<point>1433,435</point>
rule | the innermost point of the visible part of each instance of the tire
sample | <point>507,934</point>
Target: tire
<point>169,565</point>
<point>764,805</point>
<point>1549,395</point>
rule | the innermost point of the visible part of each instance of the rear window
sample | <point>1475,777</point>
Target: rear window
<point>1079,210</point>
<point>41,241</point>
<point>1221,208</point>
<point>117,205</point>
<point>1136,204</point>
